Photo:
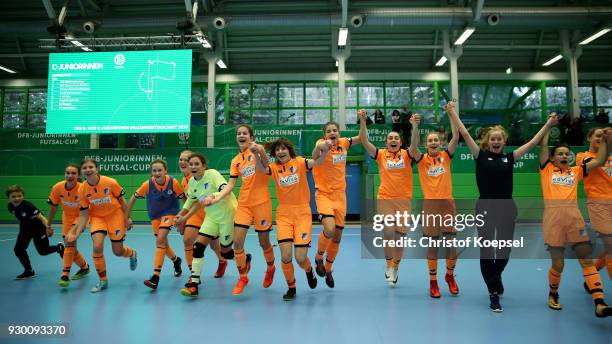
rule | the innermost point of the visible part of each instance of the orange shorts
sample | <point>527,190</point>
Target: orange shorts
<point>67,223</point>
<point>294,224</point>
<point>438,216</point>
<point>196,219</point>
<point>260,216</point>
<point>166,222</point>
<point>600,215</point>
<point>563,225</point>
<point>392,206</point>
<point>112,224</point>
<point>332,204</point>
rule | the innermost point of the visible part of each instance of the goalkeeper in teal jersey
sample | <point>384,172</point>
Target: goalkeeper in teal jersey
<point>207,188</point>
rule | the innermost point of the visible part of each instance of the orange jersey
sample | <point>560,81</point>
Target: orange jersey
<point>598,184</point>
<point>143,190</point>
<point>330,176</point>
<point>395,171</point>
<point>558,184</point>
<point>254,189</point>
<point>102,198</point>
<point>68,199</point>
<point>435,176</point>
<point>291,182</point>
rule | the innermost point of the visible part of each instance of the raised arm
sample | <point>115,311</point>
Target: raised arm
<point>260,165</point>
<point>454,117</point>
<point>321,150</point>
<point>452,144</point>
<point>363,133</point>
<point>524,149</point>
<point>414,150</point>
<point>602,154</point>
<point>544,154</point>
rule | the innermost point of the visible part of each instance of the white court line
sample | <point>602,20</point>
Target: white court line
<point>15,238</point>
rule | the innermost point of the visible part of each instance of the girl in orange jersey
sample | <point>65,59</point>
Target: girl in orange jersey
<point>598,188</point>
<point>101,200</point>
<point>254,206</point>
<point>162,193</point>
<point>562,221</point>
<point>66,194</point>
<point>190,229</point>
<point>436,183</point>
<point>330,194</point>
<point>394,192</point>
<point>293,215</point>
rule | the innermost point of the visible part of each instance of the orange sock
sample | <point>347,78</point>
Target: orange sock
<point>432,264</point>
<point>322,245</point>
<point>240,259</point>
<point>450,266</point>
<point>158,261</point>
<point>306,265</point>
<point>79,259</point>
<point>593,281</point>
<point>127,251</point>
<point>170,253</point>
<point>269,256</point>
<point>289,274</point>
<point>389,262</point>
<point>332,252</point>
<point>100,265</point>
<point>189,256</point>
<point>67,260</point>
<point>554,278</point>
<point>395,263</point>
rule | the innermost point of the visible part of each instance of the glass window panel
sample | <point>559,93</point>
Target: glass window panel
<point>14,100</point>
<point>534,116</point>
<point>471,96</point>
<point>264,116</point>
<point>423,94</point>
<point>556,96</point>
<point>316,116</point>
<point>198,100</point>
<point>37,100</point>
<point>291,95</point>
<point>351,115</point>
<point>239,117</point>
<point>427,115</point>
<point>291,116</point>
<point>317,95</point>
<point>532,101</point>
<point>37,121</point>
<point>398,94</point>
<point>587,113</point>
<point>371,95</point>
<point>350,95</point>
<point>239,96</point>
<point>13,121</point>
<point>497,97</point>
<point>264,96</point>
<point>586,95</point>
<point>604,95</point>
<point>602,114</point>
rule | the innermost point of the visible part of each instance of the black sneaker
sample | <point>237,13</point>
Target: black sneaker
<point>329,279</point>
<point>60,249</point>
<point>152,282</point>
<point>602,310</point>
<point>25,274</point>
<point>289,295</point>
<point>178,270</point>
<point>320,268</point>
<point>312,280</point>
<point>495,306</point>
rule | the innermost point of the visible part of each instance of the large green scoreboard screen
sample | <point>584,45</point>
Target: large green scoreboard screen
<point>119,92</point>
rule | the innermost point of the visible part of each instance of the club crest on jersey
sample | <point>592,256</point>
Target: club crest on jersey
<point>206,186</point>
<point>227,237</point>
<point>289,180</point>
<point>292,169</point>
<point>23,214</point>
<point>250,158</point>
<point>169,192</point>
<point>435,171</point>
<point>264,222</point>
<point>117,231</point>
<point>338,158</point>
<point>505,159</point>
<point>395,165</point>
<point>304,236</point>
<point>563,180</point>
<point>106,191</point>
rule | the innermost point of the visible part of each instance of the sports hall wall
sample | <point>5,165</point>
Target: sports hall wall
<point>296,109</point>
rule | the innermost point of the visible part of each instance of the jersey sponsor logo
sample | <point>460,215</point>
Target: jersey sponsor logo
<point>395,165</point>
<point>338,158</point>
<point>70,204</point>
<point>435,171</point>
<point>100,201</point>
<point>563,180</point>
<point>247,171</point>
<point>289,180</point>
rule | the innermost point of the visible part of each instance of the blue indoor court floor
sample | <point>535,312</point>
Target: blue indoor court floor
<point>360,309</point>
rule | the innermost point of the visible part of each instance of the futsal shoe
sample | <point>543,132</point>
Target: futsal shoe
<point>60,249</point>
<point>289,295</point>
<point>133,261</point>
<point>191,290</point>
<point>178,270</point>
<point>242,283</point>
<point>329,279</point>
<point>393,277</point>
<point>64,282</point>
<point>189,282</point>
<point>388,274</point>
<point>152,282</point>
<point>80,274</point>
<point>452,284</point>
<point>320,268</point>
<point>434,290</point>
<point>601,309</point>
<point>495,306</point>
<point>312,280</point>
<point>102,285</point>
<point>25,275</point>
<point>221,269</point>
<point>269,276</point>
<point>553,301</point>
